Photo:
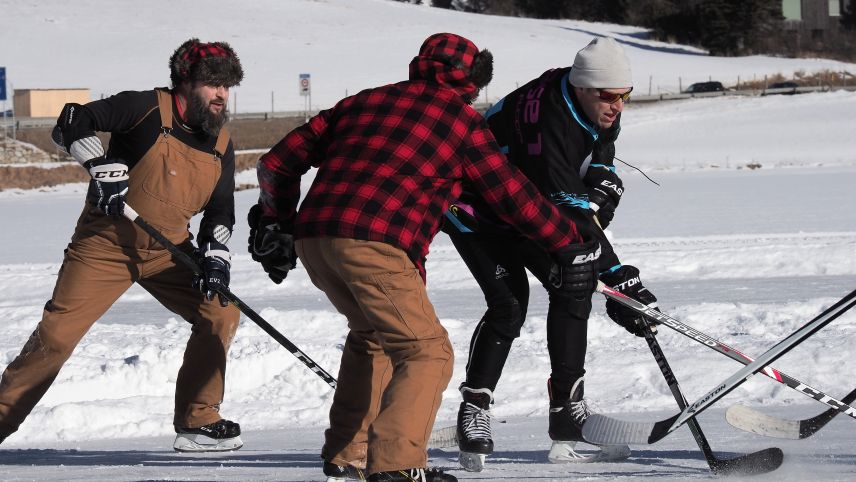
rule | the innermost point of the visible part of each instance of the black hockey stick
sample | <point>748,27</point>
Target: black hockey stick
<point>839,406</point>
<point>759,462</point>
<point>752,420</point>
<point>601,429</point>
<point>263,324</point>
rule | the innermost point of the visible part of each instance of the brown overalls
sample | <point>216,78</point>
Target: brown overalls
<point>171,183</point>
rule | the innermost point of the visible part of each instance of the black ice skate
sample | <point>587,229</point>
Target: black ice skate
<point>413,475</point>
<point>474,437</point>
<point>220,436</point>
<point>343,473</point>
<point>566,421</point>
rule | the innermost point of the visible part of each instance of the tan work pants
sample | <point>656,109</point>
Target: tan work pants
<point>94,274</point>
<point>397,358</point>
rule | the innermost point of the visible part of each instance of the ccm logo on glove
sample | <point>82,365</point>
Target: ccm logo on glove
<point>109,172</point>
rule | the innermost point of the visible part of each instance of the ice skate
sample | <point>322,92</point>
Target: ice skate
<point>566,420</point>
<point>474,436</point>
<point>343,473</point>
<point>220,436</point>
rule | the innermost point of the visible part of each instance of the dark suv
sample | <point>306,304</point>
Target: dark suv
<point>786,88</point>
<point>711,86</point>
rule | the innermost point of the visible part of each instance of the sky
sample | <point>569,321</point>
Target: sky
<point>745,255</point>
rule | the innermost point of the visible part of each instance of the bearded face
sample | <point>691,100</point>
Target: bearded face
<point>206,107</point>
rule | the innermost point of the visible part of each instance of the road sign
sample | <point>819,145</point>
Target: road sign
<point>2,83</point>
<point>305,86</point>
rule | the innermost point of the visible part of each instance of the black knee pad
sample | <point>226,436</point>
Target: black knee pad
<point>505,319</point>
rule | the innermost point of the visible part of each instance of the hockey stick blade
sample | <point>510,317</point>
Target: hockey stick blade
<point>756,463</point>
<point>442,438</point>
<point>754,421</point>
<point>601,429</point>
<point>661,318</point>
<point>759,462</point>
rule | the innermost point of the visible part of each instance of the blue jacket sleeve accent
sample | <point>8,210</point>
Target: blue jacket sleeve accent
<point>565,83</point>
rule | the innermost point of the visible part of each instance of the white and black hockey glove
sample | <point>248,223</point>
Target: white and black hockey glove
<point>108,186</point>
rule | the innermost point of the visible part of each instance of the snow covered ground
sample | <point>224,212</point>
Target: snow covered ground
<point>744,255</point>
<point>345,45</point>
<point>727,251</point>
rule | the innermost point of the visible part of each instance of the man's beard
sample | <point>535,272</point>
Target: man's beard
<point>199,114</point>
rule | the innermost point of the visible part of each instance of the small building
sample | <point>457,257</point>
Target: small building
<point>813,20</point>
<point>46,102</point>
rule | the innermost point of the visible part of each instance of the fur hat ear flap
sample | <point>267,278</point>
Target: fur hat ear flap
<point>481,71</point>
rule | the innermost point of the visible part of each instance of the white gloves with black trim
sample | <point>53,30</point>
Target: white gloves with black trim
<point>108,186</point>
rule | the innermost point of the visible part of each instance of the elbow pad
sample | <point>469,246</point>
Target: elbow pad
<point>75,136</point>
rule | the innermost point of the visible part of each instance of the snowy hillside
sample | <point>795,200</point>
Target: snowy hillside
<point>746,256</point>
<point>346,46</point>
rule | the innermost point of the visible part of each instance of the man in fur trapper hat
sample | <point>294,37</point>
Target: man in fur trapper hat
<point>390,160</point>
<point>196,65</point>
<point>169,159</point>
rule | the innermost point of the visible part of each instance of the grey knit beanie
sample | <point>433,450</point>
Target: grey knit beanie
<point>602,64</point>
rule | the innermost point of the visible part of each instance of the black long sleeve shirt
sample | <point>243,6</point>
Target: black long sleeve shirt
<point>133,119</point>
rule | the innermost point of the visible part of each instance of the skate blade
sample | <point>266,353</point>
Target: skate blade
<point>188,442</point>
<point>337,479</point>
<point>564,452</point>
<point>471,462</point>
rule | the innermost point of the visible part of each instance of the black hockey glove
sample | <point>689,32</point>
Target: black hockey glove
<point>626,281</point>
<point>574,270</point>
<point>271,245</point>
<point>605,190</point>
<point>215,263</point>
<point>108,186</point>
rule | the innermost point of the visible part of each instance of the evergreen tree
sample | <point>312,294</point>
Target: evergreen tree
<point>543,8</point>
<point>441,3</point>
<point>760,20</point>
<point>476,6</point>
<point>718,33</point>
<point>848,15</point>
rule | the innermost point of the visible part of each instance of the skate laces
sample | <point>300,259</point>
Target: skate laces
<point>476,422</point>
<point>416,475</point>
<point>580,410</point>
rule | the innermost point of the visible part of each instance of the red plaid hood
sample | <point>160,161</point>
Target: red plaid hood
<point>446,58</point>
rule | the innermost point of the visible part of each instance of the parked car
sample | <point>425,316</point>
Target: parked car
<point>710,86</point>
<point>8,113</point>
<point>785,88</point>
